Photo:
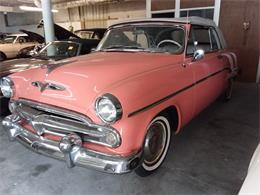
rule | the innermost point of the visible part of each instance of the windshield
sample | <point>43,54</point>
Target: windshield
<point>59,50</point>
<point>86,35</point>
<point>8,39</point>
<point>144,37</point>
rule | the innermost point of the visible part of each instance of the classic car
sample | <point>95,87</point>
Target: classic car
<point>117,109</point>
<point>11,44</point>
<point>91,33</point>
<point>61,51</point>
<point>60,35</point>
<point>251,184</point>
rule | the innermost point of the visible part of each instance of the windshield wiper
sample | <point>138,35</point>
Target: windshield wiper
<point>122,48</point>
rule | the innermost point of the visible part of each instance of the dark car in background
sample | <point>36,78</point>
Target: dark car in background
<point>91,33</point>
<point>60,34</point>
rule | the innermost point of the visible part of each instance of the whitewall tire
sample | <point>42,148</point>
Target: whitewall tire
<point>156,145</point>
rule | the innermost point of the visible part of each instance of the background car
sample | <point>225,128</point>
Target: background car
<point>91,33</point>
<point>28,52</point>
<point>11,44</point>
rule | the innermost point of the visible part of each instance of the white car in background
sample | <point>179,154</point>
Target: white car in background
<point>251,185</point>
<point>11,44</point>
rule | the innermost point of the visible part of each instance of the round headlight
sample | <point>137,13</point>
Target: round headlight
<point>6,85</point>
<point>108,108</point>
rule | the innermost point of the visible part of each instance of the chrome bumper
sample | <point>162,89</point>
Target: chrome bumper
<point>70,150</point>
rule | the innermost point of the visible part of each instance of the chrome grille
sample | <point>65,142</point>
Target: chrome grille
<point>47,119</point>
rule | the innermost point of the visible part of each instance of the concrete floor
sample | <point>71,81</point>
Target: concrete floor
<point>210,156</point>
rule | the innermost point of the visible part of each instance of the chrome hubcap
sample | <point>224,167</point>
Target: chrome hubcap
<point>154,143</point>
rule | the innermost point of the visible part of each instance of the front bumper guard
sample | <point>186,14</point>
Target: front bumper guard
<point>70,149</point>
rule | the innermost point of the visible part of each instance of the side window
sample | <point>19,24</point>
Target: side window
<point>21,40</point>
<point>215,44</point>
<point>202,38</point>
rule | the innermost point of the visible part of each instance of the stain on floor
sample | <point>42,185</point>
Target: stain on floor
<point>39,169</point>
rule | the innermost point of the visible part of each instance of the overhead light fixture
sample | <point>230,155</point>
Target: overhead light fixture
<point>34,9</point>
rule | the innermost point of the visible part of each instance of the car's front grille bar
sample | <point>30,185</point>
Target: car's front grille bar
<point>50,120</point>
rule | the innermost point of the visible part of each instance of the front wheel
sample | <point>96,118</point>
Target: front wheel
<point>156,145</point>
<point>2,56</point>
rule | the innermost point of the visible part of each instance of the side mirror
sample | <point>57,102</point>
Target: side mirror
<point>198,55</point>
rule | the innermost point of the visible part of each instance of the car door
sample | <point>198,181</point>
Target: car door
<point>17,45</point>
<point>218,67</point>
<point>203,69</point>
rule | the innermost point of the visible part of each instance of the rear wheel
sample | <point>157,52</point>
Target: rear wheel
<point>2,56</point>
<point>156,145</point>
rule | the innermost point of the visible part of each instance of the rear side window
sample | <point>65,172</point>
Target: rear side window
<point>215,44</point>
<point>203,38</point>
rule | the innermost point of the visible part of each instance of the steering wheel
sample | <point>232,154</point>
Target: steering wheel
<point>169,41</point>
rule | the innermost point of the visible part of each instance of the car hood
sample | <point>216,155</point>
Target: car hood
<point>86,77</point>
<point>60,32</point>
<point>18,65</point>
<point>34,36</point>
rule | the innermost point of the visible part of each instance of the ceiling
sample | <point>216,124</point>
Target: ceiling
<point>13,5</point>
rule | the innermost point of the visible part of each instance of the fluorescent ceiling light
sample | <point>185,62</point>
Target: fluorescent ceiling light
<point>34,9</point>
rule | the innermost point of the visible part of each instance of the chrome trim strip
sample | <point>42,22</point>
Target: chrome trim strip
<point>46,85</point>
<point>174,94</point>
<point>70,150</point>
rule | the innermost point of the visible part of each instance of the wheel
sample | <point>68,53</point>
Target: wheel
<point>229,90</point>
<point>2,56</point>
<point>156,146</point>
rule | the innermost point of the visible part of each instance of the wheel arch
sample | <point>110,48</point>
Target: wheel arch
<point>173,113</point>
<point>1,52</point>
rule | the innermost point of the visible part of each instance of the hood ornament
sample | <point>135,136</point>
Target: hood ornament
<point>46,85</point>
<point>52,66</point>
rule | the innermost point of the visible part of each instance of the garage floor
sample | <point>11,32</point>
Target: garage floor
<point>210,156</point>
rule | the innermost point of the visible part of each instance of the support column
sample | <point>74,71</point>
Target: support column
<point>177,8</point>
<point>217,11</point>
<point>148,8</point>
<point>48,21</point>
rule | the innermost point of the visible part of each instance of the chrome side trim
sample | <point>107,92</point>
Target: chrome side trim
<point>46,85</point>
<point>69,149</point>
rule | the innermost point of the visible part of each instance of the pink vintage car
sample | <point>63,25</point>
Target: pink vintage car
<point>117,109</point>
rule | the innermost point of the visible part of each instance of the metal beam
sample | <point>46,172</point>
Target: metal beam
<point>217,11</point>
<point>9,9</point>
<point>177,8</point>
<point>148,8</point>
<point>48,21</point>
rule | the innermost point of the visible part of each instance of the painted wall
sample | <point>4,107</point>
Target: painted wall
<point>234,18</point>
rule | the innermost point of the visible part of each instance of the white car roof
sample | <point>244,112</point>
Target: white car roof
<point>18,34</point>
<point>190,20</point>
<point>194,20</point>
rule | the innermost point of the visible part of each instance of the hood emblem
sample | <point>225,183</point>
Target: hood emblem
<point>45,85</point>
<point>52,66</point>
